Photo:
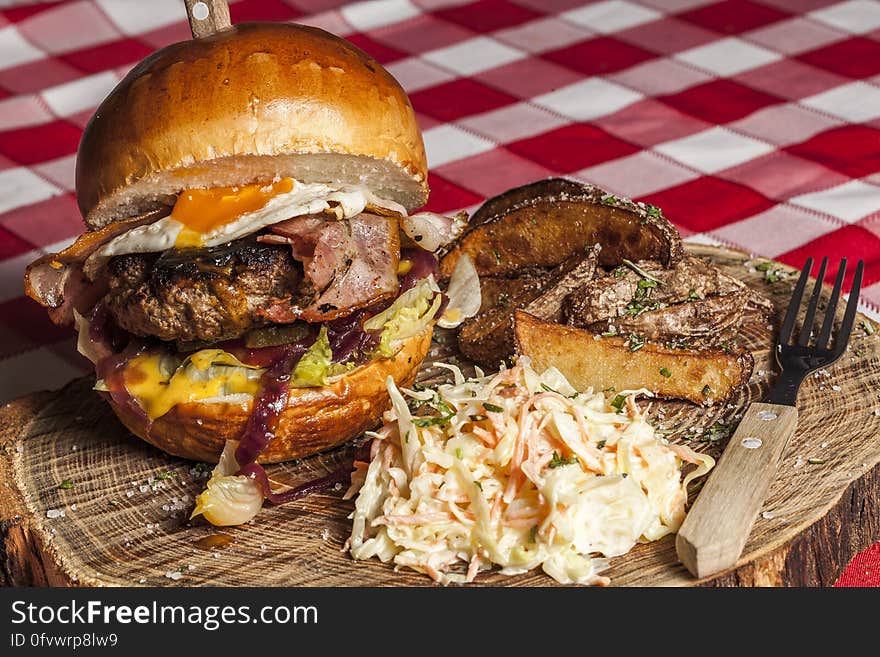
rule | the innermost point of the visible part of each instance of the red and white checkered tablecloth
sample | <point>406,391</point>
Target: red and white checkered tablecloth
<point>752,123</point>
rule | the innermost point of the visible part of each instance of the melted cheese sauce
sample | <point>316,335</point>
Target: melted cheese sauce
<point>210,373</point>
<point>202,211</point>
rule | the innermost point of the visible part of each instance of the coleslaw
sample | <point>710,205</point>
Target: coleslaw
<point>515,470</point>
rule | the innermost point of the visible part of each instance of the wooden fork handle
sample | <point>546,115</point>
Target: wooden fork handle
<point>207,17</point>
<point>717,526</point>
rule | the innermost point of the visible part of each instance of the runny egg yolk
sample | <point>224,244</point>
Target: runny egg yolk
<point>203,210</point>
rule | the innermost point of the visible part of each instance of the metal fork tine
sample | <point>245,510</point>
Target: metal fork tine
<point>807,328</point>
<point>831,311</point>
<point>795,303</point>
<point>850,315</point>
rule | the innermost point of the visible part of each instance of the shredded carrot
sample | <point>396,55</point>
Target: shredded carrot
<point>486,436</point>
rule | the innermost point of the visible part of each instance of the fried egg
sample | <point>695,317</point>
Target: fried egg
<point>209,217</point>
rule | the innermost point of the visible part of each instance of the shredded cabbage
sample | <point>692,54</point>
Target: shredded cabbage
<point>229,499</point>
<point>409,315</point>
<point>514,470</point>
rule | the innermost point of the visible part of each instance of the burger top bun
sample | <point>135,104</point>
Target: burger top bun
<point>245,105</point>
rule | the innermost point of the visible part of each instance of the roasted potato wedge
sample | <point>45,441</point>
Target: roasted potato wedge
<point>487,339</point>
<point>704,376</point>
<point>545,223</point>
<point>500,291</point>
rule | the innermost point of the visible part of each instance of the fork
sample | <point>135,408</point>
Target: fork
<point>717,527</point>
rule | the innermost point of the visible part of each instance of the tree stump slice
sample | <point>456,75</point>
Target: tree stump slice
<point>125,516</point>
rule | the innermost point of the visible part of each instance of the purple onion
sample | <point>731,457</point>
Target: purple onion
<point>339,476</point>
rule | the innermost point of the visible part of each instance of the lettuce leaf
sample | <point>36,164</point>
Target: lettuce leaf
<point>315,367</point>
<point>409,315</point>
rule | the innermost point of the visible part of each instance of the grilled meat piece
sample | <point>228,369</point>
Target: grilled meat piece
<point>205,295</point>
<point>693,302</point>
<point>488,338</point>
<point>702,322</point>
<point>625,292</point>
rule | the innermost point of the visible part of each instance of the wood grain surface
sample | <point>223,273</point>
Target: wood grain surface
<point>126,505</point>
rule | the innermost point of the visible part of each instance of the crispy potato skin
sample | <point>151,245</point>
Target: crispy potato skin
<point>543,224</point>
<point>590,361</point>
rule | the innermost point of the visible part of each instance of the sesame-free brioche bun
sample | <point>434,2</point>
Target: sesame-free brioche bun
<point>249,104</point>
<point>314,420</point>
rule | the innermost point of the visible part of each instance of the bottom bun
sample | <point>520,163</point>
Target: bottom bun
<point>314,420</point>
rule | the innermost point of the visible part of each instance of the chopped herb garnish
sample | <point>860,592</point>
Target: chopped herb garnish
<point>624,474</point>
<point>665,372</point>
<point>707,391</point>
<point>458,453</point>
<point>558,461</point>
<point>477,418</point>
<point>479,485</point>
<point>678,343</point>
<point>67,484</point>
<point>608,334</point>
<point>492,408</point>
<point>548,388</point>
<point>653,210</point>
<point>641,272</point>
<point>725,347</point>
<point>165,475</point>
<point>618,402</point>
<point>645,283</point>
<point>423,422</point>
<point>439,420</point>
<point>533,534</point>
<point>771,274</point>
<point>601,444</point>
<point>867,327</point>
<point>636,342</point>
<point>497,256</point>
<point>636,308</point>
<point>608,199</point>
<point>693,295</point>
<point>619,272</point>
<point>815,461</point>
<point>714,433</point>
<point>859,352</point>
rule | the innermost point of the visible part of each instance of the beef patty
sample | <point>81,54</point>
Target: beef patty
<point>202,295</point>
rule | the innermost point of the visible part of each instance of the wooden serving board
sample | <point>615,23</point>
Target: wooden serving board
<point>125,516</point>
